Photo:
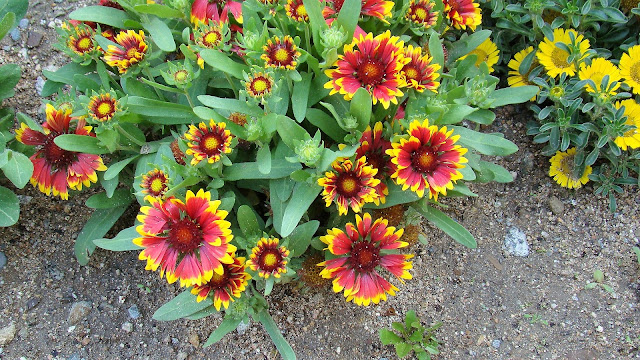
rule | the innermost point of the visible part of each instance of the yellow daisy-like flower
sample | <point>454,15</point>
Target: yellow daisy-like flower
<point>596,72</point>
<point>631,138</point>
<point>155,183</point>
<point>259,85</point>
<point>630,68</point>
<point>554,58</point>
<point>487,52</point>
<point>517,78</point>
<point>562,170</point>
<point>295,10</point>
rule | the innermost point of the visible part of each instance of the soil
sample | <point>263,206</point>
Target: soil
<point>492,305</point>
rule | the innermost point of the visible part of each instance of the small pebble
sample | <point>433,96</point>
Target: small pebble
<point>128,327</point>
<point>7,333</point>
<point>515,242</point>
<point>134,313</point>
<point>182,355</point>
<point>31,303</point>
<point>79,310</point>
<point>23,23</point>
<point>556,206</point>
<point>39,85</point>
<point>3,260</point>
<point>15,34</point>
<point>496,343</point>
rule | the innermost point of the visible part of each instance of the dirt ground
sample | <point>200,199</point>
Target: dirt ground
<point>492,305</point>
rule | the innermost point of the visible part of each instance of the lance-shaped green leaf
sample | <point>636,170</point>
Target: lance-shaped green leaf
<point>100,222</point>
<point>160,34</point>
<point>263,158</point>
<point>326,123</point>
<point>122,242</point>
<point>220,61</point>
<point>121,197</point>
<point>446,224</point>
<point>115,168</point>
<point>513,95</point>
<point>300,97</point>
<point>300,238</point>
<point>290,131</point>
<point>455,114</point>
<point>435,49</point>
<point>9,77</point>
<point>159,11</point>
<point>279,341</point>
<point>180,306</point>
<point>303,196</point>
<point>488,171</point>
<point>17,168</point>
<point>80,143</point>
<point>360,107</point>
<point>248,221</point>
<point>232,105</point>
<point>487,144</point>
<point>102,15</point>
<point>229,323</point>
<point>396,196</point>
<point>250,170</point>
<point>349,16</point>
<point>6,23</point>
<point>66,73</point>
<point>161,112</point>
<point>9,207</point>
<point>318,24</point>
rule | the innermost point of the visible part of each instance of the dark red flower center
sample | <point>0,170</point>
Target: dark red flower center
<point>424,159</point>
<point>58,157</point>
<point>260,86</point>
<point>84,43</point>
<point>185,235</point>
<point>370,72</point>
<point>348,185</point>
<point>219,281</point>
<point>411,72</point>
<point>364,256</point>
<point>270,260</point>
<point>211,144</point>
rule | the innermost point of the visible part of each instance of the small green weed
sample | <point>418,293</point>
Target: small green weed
<point>598,277</point>
<point>413,337</point>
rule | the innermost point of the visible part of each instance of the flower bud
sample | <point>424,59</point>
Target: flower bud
<point>309,151</point>
<point>254,130</point>
<point>333,37</point>
<point>348,123</point>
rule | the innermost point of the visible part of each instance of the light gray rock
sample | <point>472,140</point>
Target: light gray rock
<point>134,312</point>
<point>128,327</point>
<point>496,343</point>
<point>515,242</point>
<point>23,23</point>
<point>7,333</point>
<point>556,206</point>
<point>3,260</point>
<point>15,34</point>
<point>39,84</point>
<point>79,310</point>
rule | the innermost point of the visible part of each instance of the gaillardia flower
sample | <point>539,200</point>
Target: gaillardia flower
<point>259,85</point>
<point>421,13</point>
<point>81,41</point>
<point>630,68</point>
<point>210,36</point>
<point>208,142</point>
<point>374,64</point>
<point>56,170</point>
<point>419,73</point>
<point>631,138</point>
<point>349,185</point>
<point>596,71</point>
<point>487,52</point>
<point>223,288</point>
<point>204,10</point>
<point>516,77</point>
<point>380,9</point>
<point>562,170</point>
<point>102,107</point>
<point>131,50</point>
<point>373,146</point>
<point>554,58</point>
<point>155,183</point>
<point>281,54</point>
<point>463,13</point>
<point>268,259</point>
<point>296,11</point>
<point>361,252</point>
<point>188,241</point>
<point>428,159</point>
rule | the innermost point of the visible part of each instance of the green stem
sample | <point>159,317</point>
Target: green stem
<point>147,72</point>
<point>129,136</point>
<point>233,87</point>
<point>186,94</point>
<point>307,38</point>
<point>186,182</point>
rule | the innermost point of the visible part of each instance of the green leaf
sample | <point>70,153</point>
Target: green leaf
<point>290,131</point>
<point>360,107</point>
<point>159,11</point>
<point>18,168</point>
<point>456,114</point>
<point>301,236</point>
<point>446,224</point>
<point>388,337</point>
<point>249,170</point>
<point>482,116</point>
<point>318,24</point>
<point>349,16</point>
<point>9,207</point>
<point>17,7</point>
<point>66,73</point>
<point>220,61</point>
<point>121,197</point>
<point>160,34</point>
<point>232,105</point>
<point>9,77</point>
<point>300,97</point>
<point>110,185</point>
<point>180,306</point>
<point>80,143</point>
<point>402,349</point>
<point>114,169</point>
<point>6,23</point>
<point>122,242</point>
<point>161,112</point>
<point>102,15</point>
<point>209,310</point>
<point>513,95</point>
<point>263,158</point>
<point>396,196</point>
<point>466,44</point>
<point>226,326</point>
<point>303,196</point>
<point>329,156</point>
<point>248,221</point>
<point>98,225</point>
<point>497,172</point>
<point>276,337</point>
<point>435,49</point>
<point>486,144</point>
<point>326,123</point>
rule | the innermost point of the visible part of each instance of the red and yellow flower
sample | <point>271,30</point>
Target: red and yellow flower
<point>155,183</point>
<point>268,259</point>
<point>259,85</point>
<point>131,50</point>
<point>210,35</point>
<point>81,41</point>
<point>421,13</point>
<point>208,142</point>
<point>380,9</point>
<point>296,11</point>
<point>463,13</point>
<point>103,107</point>
<point>372,63</point>
<point>223,288</point>
<point>281,53</point>
<point>188,241</point>
<point>204,10</point>
<point>350,185</point>
<point>361,252</point>
<point>55,170</point>
<point>373,146</point>
<point>419,73</point>
<point>427,159</point>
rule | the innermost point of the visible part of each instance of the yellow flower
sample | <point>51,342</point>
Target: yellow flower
<point>596,72</point>
<point>487,52</point>
<point>630,68</point>
<point>554,58</point>
<point>631,138</point>
<point>562,170</point>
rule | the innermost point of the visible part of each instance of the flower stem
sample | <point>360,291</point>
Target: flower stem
<point>129,136</point>
<point>233,87</point>
<point>186,94</point>
<point>147,72</point>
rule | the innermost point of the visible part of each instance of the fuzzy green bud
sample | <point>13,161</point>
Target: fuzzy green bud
<point>333,37</point>
<point>252,41</point>
<point>254,130</point>
<point>348,123</point>
<point>309,151</point>
<point>477,91</point>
